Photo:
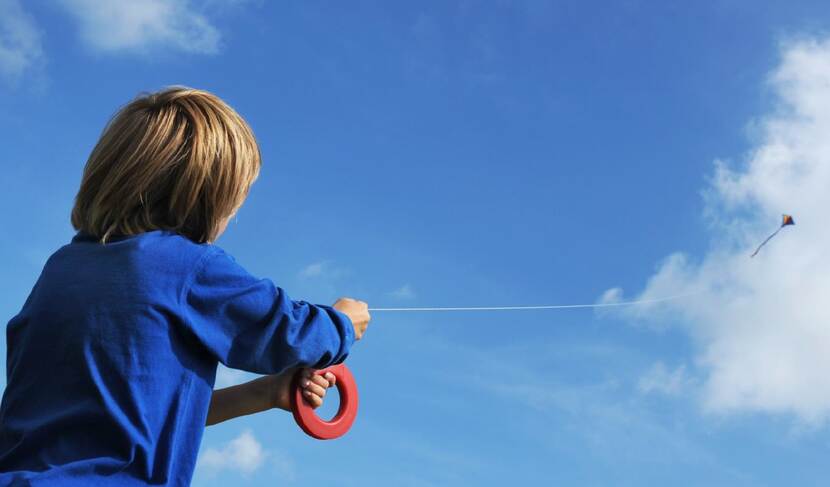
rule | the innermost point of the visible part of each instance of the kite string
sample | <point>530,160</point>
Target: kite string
<point>546,306</point>
<point>765,241</point>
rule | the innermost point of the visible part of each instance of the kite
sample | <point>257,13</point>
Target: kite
<point>786,220</point>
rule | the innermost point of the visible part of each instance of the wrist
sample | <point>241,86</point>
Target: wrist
<point>274,391</point>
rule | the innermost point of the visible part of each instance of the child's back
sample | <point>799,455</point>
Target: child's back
<point>112,359</point>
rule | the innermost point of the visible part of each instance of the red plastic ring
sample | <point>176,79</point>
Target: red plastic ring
<point>308,420</point>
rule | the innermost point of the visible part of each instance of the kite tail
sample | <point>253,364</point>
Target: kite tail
<point>765,241</point>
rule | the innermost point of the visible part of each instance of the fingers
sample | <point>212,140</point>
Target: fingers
<point>325,381</point>
<point>314,386</point>
<point>313,400</point>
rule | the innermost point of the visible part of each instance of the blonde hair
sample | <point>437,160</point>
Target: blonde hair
<point>179,159</point>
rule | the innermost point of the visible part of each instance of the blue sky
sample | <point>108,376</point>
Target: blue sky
<point>460,153</point>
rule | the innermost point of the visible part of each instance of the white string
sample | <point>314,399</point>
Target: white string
<point>547,306</point>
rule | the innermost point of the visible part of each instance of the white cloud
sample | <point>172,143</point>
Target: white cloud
<point>323,269</point>
<point>611,296</point>
<point>762,325</point>
<point>21,49</point>
<point>403,292</point>
<point>313,270</point>
<point>141,24</point>
<point>660,379</point>
<point>243,454</point>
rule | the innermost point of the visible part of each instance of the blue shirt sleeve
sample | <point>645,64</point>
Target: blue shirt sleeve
<point>250,324</point>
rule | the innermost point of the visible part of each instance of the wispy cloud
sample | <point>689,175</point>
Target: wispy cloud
<point>21,48</point>
<point>762,324</point>
<point>611,296</point>
<point>322,269</point>
<point>313,270</point>
<point>140,25</point>
<point>659,379</point>
<point>598,413</point>
<point>404,292</point>
<point>243,454</point>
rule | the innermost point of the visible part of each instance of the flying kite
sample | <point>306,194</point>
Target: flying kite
<point>786,220</point>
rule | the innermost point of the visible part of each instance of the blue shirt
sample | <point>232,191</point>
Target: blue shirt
<point>112,359</point>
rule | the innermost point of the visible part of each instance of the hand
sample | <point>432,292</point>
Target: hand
<point>314,386</point>
<point>278,387</point>
<point>357,311</point>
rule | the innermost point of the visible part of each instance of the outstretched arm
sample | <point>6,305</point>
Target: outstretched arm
<point>264,393</point>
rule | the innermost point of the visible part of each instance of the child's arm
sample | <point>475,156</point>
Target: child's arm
<point>251,324</point>
<point>264,393</point>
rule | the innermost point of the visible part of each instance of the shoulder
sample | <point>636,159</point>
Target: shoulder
<point>159,256</point>
<point>218,267</point>
<point>195,261</point>
<point>172,260</point>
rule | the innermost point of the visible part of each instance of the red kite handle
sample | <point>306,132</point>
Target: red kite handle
<point>308,420</point>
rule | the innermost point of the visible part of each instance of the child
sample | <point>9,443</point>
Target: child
<point>112,359</point>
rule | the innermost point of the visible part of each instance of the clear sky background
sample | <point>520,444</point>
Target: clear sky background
<point>462,153</point>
